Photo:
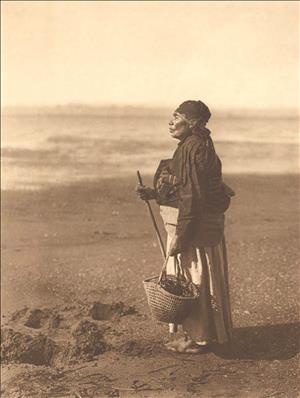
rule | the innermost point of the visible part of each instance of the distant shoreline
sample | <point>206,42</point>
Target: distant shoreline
<point>139,111</point>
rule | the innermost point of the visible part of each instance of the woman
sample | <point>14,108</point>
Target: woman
<point>193,199</point>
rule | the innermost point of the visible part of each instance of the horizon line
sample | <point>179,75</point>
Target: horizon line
<point>77,104</point>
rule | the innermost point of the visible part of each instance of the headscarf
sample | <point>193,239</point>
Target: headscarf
<point>199,113</point>
<point>194,111</point>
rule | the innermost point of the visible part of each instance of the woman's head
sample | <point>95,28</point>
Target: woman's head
<point>189,115</point>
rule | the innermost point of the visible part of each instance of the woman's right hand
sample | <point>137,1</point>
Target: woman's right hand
<point>145,193</point>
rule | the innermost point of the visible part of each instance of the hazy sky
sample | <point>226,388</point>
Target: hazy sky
<point>230,54</point>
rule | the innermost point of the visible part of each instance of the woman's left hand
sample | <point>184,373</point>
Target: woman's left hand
<point>175,246</point>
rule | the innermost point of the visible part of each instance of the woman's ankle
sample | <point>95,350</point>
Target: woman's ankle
<point>203,343</point>
<point>173,328</point>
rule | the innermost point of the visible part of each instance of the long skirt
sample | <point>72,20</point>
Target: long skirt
<point>210,317</point>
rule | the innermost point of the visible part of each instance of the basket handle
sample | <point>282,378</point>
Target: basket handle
<point>177,266</point>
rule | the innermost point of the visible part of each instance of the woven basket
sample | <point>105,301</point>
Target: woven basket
<point>165,306</point>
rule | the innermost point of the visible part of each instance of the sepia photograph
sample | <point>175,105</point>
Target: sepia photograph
<point>150,199</point>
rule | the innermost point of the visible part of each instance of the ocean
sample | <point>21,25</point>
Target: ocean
<point>63,147</point>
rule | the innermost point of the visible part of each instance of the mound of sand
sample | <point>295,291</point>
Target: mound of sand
<point>58,336</point>
<point>88,341</point>
<point>25,348</point>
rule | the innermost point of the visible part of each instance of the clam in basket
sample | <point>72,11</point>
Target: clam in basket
<point>165,306</point>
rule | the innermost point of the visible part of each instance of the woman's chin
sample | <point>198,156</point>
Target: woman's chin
<point>173,135</point>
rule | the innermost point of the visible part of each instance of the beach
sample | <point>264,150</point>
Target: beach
<point>77,244</point>
<point>66,248</point>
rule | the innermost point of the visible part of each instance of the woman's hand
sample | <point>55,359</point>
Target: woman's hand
<point>175,246</point>
<point>145,193</point>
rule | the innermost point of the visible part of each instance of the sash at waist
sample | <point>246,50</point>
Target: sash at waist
<point>208,228</point>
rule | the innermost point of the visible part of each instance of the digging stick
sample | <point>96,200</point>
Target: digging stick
<point>160,242</point>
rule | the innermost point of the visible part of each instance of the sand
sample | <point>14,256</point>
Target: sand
<point>74,314</point>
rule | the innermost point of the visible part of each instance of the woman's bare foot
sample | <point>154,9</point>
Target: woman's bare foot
<point>186,345</point>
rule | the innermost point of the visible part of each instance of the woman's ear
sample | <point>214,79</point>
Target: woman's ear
<point>192,124</point>
<point>200,124</point>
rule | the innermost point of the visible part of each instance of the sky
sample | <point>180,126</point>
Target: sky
<point>233,54</point>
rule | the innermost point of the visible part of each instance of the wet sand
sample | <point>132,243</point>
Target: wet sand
<point>66,249</point>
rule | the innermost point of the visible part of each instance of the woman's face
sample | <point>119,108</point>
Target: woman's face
<point>178,127</point>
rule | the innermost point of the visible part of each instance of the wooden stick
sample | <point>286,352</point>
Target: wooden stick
<point>163,368</point>
<point>124,389</point>
<point>160,242</point>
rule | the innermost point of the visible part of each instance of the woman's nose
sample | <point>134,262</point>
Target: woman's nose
<point>171,122</point>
